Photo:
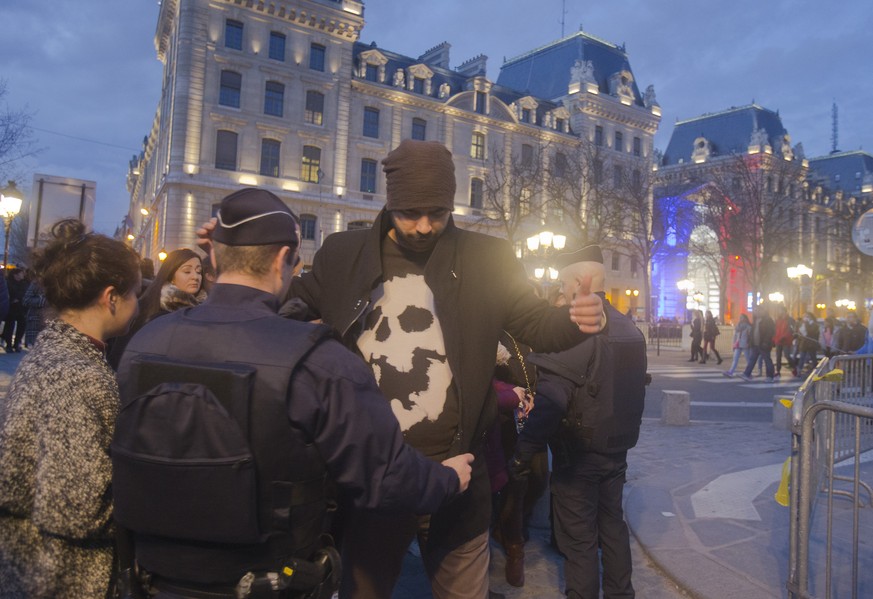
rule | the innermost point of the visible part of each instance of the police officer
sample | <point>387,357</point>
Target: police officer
<point>235,422</point>
<point>589,405</point>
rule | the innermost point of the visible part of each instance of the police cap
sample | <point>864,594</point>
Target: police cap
<point>254,216</point>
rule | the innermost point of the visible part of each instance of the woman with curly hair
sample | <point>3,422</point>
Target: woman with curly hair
<point>56,533</point>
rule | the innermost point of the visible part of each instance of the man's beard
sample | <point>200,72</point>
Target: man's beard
<point>417,242</point>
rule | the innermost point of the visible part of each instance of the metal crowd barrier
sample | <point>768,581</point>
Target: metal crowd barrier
<point>662,334</point>
<point>832,426</point>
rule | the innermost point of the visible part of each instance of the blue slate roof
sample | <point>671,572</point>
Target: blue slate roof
<point>455,79</point>
<point>545,71</point>
<point>844,171</point>
<point>728,132</point>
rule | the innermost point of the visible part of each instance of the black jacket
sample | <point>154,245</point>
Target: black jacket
<point>480,288</point>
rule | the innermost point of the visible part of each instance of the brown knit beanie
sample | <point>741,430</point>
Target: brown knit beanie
<point>419,174</point>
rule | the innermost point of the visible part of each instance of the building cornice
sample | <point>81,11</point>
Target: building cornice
<point>344,21</point>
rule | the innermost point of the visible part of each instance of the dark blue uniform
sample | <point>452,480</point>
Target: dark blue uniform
<point>323,414</point>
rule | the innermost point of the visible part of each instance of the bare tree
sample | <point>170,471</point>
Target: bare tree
<point>512,190</point>
<point>752,202</point>
<point>16,137</point>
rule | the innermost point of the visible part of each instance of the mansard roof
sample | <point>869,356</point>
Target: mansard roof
<point>728,132</point>
<point>545,71</point>
<point>456,80</point>
<point>845,171</point>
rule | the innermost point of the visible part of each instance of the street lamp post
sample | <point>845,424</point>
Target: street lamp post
<point>541,245</point>
<point>10,206</point>
<point>797,273</point>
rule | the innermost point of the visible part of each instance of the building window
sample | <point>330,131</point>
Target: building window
<point>372,73</point>
<point>225,150</point>
<point>314,114</point>
<point>476,193</point>
<point>560,164</point>
<point>310,170</point>
<point>277,46</point>
<point>233,31</point>
<point>419,129</point>
<point>559,124</point>
<point>525,115</point>
<point>477,147</point>
<point>371,122</point>
<point>368,175</point>
<point>634,267</point>
<point>480,102</point>
<point>274,98</point>
<point>598,135</point>
<point>616,261</point>
<point>418,85</point>
<point>231,85</point>
<point>637,180</point>
<point>316,57</point>
<point>598,171</point>
<point>617,175</point>
<point>619,141</point>
<point>526,155</point>
<point>308,224</point>
<point>270,157</point>
<point>638,146</point>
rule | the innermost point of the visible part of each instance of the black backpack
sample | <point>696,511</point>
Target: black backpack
<point>608,372</point>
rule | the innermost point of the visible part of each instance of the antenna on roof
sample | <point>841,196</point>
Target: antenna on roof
<point>563,16</point>
<point>834,129</point>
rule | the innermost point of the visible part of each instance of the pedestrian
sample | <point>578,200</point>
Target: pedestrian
<point>589,407</point>
<point>740,343</point>
<point>761,342</point>
<point>696,336</point>
<point>178,284</point>
<point>783,339</point>
<point>826,336</point>
<point>807,342</point>
<point>34,302</point>
<point>710,332</point>
<point>279,409</point>
<point>853,334</point>
<point>16,318</point>
<point>424,302</point>
<point>56,530</point>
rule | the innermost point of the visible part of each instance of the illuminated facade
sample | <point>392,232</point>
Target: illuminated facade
<point>282,95</point>
<point>741,206</point>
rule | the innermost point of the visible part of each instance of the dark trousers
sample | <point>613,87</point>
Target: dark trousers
<point>14,322</point>
<point>786,350</point>
<point>764,354</point>
<point>587,511</point>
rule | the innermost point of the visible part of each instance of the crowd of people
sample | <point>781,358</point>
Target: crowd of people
<point>798,343</point>
<point>179,436</point>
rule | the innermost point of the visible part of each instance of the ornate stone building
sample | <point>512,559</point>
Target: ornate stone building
<point>282,95</point>
<point>742,205</point>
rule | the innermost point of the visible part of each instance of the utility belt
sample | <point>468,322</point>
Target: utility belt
<point>318,578</point>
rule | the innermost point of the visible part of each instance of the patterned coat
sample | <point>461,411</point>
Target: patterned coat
<point>56,535</point>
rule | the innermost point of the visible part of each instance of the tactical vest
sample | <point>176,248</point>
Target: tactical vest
<point>608,372</point>
<point>208,472</point>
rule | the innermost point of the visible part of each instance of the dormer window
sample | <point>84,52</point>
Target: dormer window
<point>372,66</point>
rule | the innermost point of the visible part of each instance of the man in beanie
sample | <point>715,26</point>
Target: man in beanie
<point>234,419</point>
<point>424,303</point>
<point>589,406</point>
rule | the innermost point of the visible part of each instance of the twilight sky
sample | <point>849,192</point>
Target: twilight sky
<point>87,69</point>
